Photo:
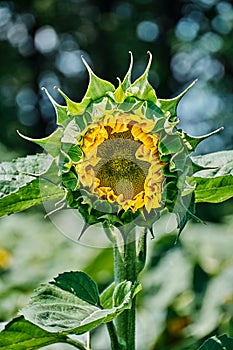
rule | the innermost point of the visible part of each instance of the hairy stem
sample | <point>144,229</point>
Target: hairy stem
<point>113,336</point>
<point>125,268</point>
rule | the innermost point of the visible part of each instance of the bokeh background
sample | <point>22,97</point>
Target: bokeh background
<point>188,287</point>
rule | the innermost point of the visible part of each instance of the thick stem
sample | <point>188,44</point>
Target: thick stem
<point>113,336</point>
<point>125,268</point>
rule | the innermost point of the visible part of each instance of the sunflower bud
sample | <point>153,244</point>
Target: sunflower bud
<point>121,156</point>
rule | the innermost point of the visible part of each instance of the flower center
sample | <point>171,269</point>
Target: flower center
<point>118,167</point>
<point>123,176</point>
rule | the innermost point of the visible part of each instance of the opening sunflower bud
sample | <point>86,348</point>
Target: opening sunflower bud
<point>121,157</point>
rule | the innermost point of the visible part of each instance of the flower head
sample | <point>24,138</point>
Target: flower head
<point>121,162</point>
<point>121,157</point>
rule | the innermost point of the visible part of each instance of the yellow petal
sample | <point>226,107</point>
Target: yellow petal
<point>143,153</point>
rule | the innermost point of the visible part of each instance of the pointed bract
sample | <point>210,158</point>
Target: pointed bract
<point>127,79</point>
<point>141,88</point>
<point>118,95</point>
<point>97,87</point>
<point>192,141</point>
<point>51,144</point>
<point>74,108</point>
<point>170,105</point>
<point>61,111</point>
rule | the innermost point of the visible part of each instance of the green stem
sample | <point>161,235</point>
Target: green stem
<point>125,268</point>
<point>113,336</point>
<point>129,260</point>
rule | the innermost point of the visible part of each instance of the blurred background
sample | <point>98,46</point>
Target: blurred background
<point>41,43</point>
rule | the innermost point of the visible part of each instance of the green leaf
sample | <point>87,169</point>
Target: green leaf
<point>71,131</point>
<point>123,289</point>
<point>21,187</point>
<point>221,161</point>
<point>57,310</point>
<point>212,190</point>
<point>214,184</point>
<point>80,284</point>
<point>74,153</point>
<point>222,342</point>
<point>34,193</point>
<point>17,173</point>
<point>170,105</point>
<point>178,161</point>
<point>118,95</point>
<point>20,334</point>
<point>141,88</point>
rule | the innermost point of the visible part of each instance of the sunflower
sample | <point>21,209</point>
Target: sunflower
<point>121,156</point>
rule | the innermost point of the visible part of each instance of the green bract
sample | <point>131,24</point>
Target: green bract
<point>117,114</point>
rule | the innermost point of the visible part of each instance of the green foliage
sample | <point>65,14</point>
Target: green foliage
<point>80,284</point>
<point>31,243</point>
<point>70,304</point>
<point>16,174</point>
<point>213,190</point>
<point>20,334</point>
<point>214,183</point>
<point>23,183</point>
<point>222,342</point>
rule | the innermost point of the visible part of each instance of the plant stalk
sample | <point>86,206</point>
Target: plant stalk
<point>125,269</point>
<point>113,336</point>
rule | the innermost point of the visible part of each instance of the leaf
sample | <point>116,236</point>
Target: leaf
<point>123,289</point>
<point>212,190</point>
<point>72,131</point>
<point>14,175</point>
<point>221,161</point>
<point>118,95</point>
<point>21,187</point>
<point>17,173</point>
<point>70,180</point>
<point>20,334</point>
<point>214,183</point>
<point>57,310</point>
<point>75,153</point>
<point>33,193</point>
<point>222,342</point>
<point>80,284</point>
